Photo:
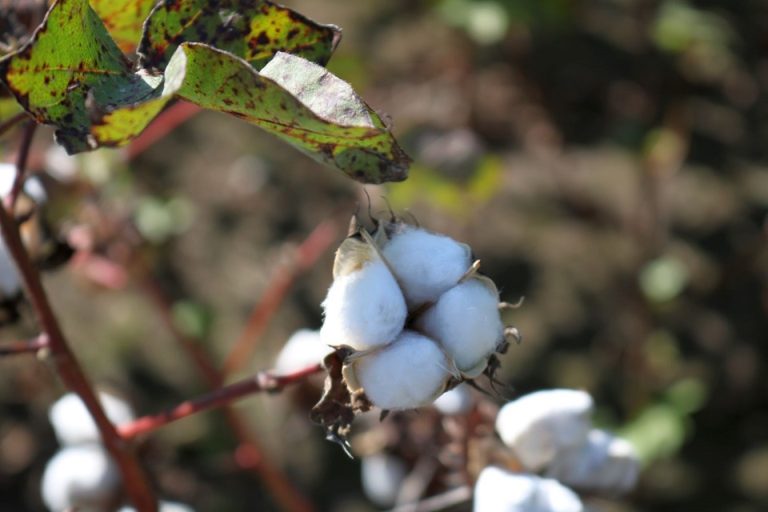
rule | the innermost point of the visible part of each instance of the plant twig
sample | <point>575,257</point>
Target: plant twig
<point>29,346</point>
<point>134,479</point>
<point>305,256</point>
<point>165,123</point>
<point>11,122</point>
<point>21,165</point>
<point>443,501</point>
<point>261,382</point>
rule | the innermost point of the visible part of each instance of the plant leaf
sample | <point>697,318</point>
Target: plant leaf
<point>124,20</point>
<point>297,100</point>
<point>71,71</point>
<point>252,30</point>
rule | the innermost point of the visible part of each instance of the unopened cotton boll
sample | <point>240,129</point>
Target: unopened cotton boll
<point>466,322</point>
<point>303,348</point>
<point>73,424</point>
<point>426,264</point>
<point>604,463</point>
<point>82,476</point>
<point>409,373</point>
<point>455,401</point>
<point>540,425</point>
<point>382,476</point>
<point>364,307</point>
<point>498,490</point>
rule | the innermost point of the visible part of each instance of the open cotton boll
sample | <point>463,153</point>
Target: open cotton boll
<point>365,308</point>
<point>540,425</point>
<point>382,476</point>
<point>466,322</point>
<point>82,476</point>
<point>409,373</point>
<point>455,401</point>
<point>498,490</point>
<point>163,506</point>
<point>303,348</point>
<point>426,264</point>
<point>32,185</point>
<point>604,463</point>
<point>73,424</point>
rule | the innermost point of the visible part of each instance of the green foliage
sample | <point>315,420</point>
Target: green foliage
<point>73,75</point>
<point>124,19</point>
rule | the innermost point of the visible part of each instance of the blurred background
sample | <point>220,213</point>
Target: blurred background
<point>606,160</point>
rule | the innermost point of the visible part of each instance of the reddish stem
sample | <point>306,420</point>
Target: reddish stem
<point>249,454</point>
<point>71,373</point>
<point>24,346</point>
<point>11,122</point>
<point>165,123</point>
<point>305,256</point>
<point>262,381</point>
<point>21,165</point>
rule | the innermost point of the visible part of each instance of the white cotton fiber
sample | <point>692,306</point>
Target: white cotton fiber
<point>163,506</point>
<point>498,490</point>
<point>73,424</point>
<point>10,284</point>
<point>604,463</point>
<point>82,476</point>
<point>466,322</point>
<point>540,425</point>
<point>455,401</point>
<point>32,185</point>
<point>426,264</point>
<point>363,309</point>
<point>302,349</point>
<point>407,374</point>
<point>382,476</point>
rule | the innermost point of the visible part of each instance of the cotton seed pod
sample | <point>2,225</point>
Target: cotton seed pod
<point>409,373</point>
<point>163,506</point>
<point>382,476</point>
<point>303,348</point>
<point>498,490</point>
<point>426,264</point>
<point>73,424</point>
<point>455,401</point>
<point>466,322</point>
<point>604,463</point>
<point>540,425</point>
<point>364,307</point>
<point>82,476</point>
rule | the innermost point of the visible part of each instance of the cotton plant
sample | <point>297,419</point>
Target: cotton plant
<point>409,316</point>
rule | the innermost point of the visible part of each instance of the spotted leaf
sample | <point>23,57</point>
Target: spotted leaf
<point>124,20</point>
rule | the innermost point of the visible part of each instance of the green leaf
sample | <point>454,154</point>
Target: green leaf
<point>252,30</point>
<point>70,72</point>
<point>300,102</point>
<point>124,19</point>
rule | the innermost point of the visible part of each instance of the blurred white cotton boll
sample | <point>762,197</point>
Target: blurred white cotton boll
<point>32,185</point>
<point>163,506</point>
<point>540,425</point>
<point>10,284</point>
<point>302,349</point>
<point>409,373</point>
<point>455,401</point>
<point>382,476</point>
<point>82,476</point>
<point>603,463</point>
<point>426,264</point>
<point>60,164</point>
<point>466,322</point>
<point>73,424</point>
<point>498,490</point>
<point>364,309</point>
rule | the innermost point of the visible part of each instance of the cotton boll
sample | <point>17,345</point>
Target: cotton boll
<point>364,308</point>
<point>10,285</point>
<point>603,463</point>
<point>73,424</point>
<point>407,374</point>
<point>382,476</point>
<point>32,185</point>
<point>540,425</point>
<point>466,322</point>
<point>426,264</point>
<point>303,348</point>
<point>163,506</point>
<point>455,401</point>
<point>82,476</point>
<point>498,490</point>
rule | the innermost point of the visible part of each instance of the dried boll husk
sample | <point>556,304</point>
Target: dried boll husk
<point>604,463</point>
<point>409,373</point>
<point>541,425</point>
<point>466,322</point>
<point>425,264</point>
<point>83,477</point>
<point>498,490</point>
<point>364,307</point>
